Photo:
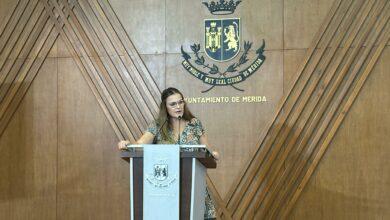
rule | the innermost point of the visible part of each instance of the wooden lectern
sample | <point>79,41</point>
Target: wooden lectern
<point>194,160</point>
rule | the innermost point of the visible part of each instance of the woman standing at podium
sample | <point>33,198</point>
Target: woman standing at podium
<point>176,125</point>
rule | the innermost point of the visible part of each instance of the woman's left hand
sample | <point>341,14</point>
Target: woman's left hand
<point>215,155</point>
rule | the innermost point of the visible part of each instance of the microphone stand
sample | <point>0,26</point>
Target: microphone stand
<point>178,140</point>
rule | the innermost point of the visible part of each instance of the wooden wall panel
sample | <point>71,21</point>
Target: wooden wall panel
<point>148,17</point>
<point>61,49</point>
<point>352,180</point>
<point>237,124</point>
<point>291,61</point>
<point>261,19</point>
<point>258,184</point>
<point>6,10</point>
<point>302,20</point>
<point>103,83</point>
<point>156,65</point>
<point>16,81</point>
<point>29,152</point>
<point>92,181</point>
<point>93,30</point>
<point>185,30</point>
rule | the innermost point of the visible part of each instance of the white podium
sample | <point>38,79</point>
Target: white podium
<point>167,181</point>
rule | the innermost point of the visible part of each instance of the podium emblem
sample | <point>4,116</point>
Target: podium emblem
<point>158,175</point>
<point>160,171</point>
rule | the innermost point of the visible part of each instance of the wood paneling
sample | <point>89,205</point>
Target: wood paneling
<point>352,180</point>
<point>16,77</point>
<point>107,92</point>
<point>7,8</point>
<point>156,66</point>
<point>296,126</point>
<point>29,153</point>
<point>302,20</point>
<point>262,19</point>
<point>116,83</point>
<point>291,61</point>
<point>92,182</point>
<point>148,18</point>
<point>238,124</point>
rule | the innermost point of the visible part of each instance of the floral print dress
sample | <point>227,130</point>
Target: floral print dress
<point>190,136</point>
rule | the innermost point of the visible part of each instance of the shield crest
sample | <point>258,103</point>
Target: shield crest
<point>160,171</point>
<point>222,38</point>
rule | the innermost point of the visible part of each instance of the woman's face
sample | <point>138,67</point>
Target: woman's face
<point>175,105</point>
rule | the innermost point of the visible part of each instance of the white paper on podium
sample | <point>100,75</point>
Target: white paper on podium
<point>161,182</point>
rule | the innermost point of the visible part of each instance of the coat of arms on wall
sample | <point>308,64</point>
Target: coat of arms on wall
<point>222,44</point>
<point>222,39</point>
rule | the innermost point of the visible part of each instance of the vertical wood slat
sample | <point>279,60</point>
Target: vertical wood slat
<point>327,103</point>
<point>232,196</point>
<point>306,122</point>
<point>95,64</point>
<point>314,160</point>
<point>296,102</point>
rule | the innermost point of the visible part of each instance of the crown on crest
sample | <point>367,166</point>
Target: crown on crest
<point>222,7</point>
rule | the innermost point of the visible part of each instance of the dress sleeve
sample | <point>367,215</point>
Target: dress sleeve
<point>152,128</point>
<point>199,130</point>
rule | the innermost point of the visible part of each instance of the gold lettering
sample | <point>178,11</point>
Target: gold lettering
<point>221,82</point>
<point>234,79</point>
<point>209,80</point>
<point>250,99</point>
<point>226,99</point>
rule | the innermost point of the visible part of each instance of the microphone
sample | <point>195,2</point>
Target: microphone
<point>178,139</point>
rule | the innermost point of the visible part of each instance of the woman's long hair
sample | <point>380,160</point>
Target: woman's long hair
<point>163,121</point>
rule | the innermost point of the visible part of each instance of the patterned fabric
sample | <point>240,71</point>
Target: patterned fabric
<point>191,136</point>
<point>209,212</point>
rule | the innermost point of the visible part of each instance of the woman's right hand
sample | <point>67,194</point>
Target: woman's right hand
<point>122,144</point>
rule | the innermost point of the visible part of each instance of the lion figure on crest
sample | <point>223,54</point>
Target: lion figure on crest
<point>231,38</point>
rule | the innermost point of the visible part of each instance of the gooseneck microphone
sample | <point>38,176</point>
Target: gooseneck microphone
<point>178,139</point>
